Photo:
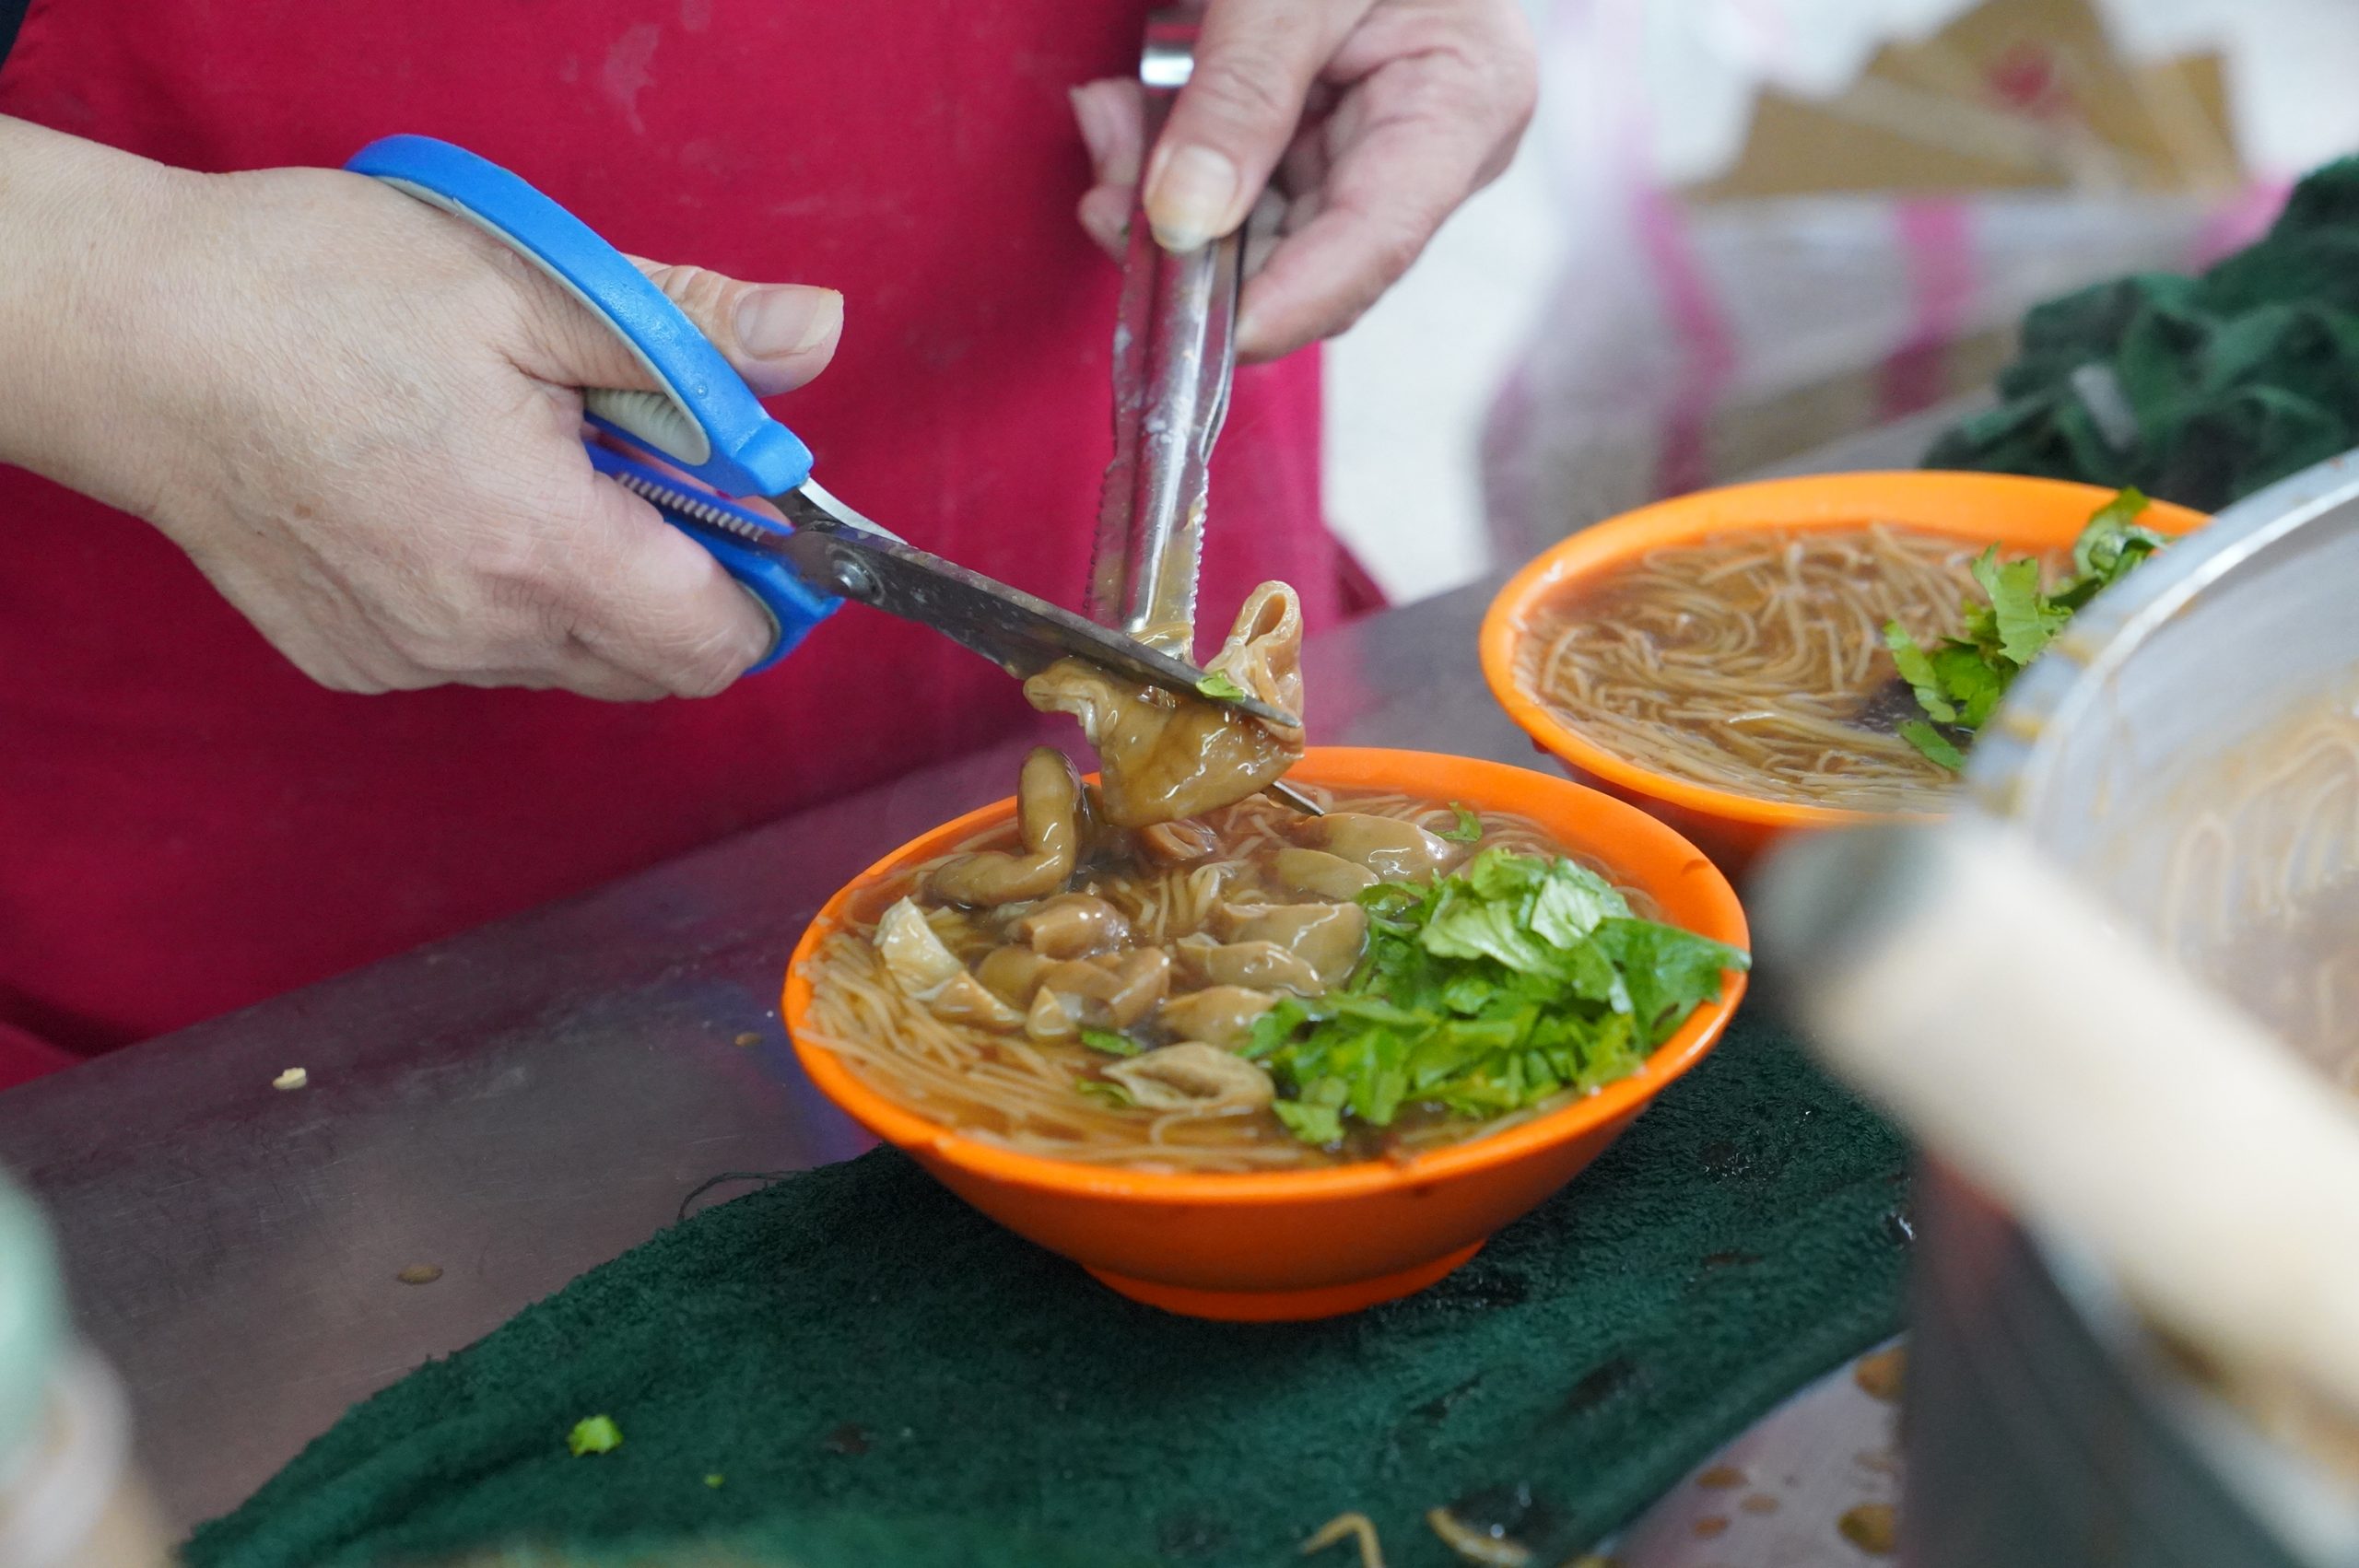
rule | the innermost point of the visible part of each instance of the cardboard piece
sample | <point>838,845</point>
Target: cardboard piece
<point>2013,95</point>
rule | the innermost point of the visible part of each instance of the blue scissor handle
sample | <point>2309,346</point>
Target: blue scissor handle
<point>706,421</point>
<point>794,606</point>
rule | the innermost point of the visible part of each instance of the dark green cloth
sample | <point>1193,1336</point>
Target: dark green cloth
<point>882,1376</point>
<point>2232,380</point>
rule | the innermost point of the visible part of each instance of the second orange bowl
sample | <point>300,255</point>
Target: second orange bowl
<point>1311,1243</point>
<point>2018,514</point>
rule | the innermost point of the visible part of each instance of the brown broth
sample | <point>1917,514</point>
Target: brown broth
<point>1007,1085</point>
<point>1755,660</point>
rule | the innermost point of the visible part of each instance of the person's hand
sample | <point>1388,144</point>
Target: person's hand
<point>357,415</point>
<point>1376,118</point>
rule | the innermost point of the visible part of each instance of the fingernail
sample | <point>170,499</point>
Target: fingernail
<point>1188,199</point>
<point>775,322</point>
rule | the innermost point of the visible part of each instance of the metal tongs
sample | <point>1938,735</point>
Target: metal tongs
<point>709,425</point>
<point>1175,356</point>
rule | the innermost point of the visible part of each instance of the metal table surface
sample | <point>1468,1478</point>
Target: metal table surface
<point>522,1102</point>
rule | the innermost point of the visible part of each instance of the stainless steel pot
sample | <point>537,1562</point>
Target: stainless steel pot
<point>2045,1428</point>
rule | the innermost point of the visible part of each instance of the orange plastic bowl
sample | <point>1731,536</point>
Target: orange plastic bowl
<point>2016,513</point>
<point>1312,1243</point>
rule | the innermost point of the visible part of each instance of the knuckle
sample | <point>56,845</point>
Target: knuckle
<point>1250,90</point>
<point>1390,252</point>
<point>1515,86</point>
<point>523,568</point>
<point>432,658</point>
<point>700,291</point>
<point>1505,63</point>
<point>708,668</point>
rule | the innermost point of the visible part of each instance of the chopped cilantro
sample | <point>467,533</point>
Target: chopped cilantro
<point>1933,744</point>
<point>2113,542</point>
<point>1110,1042</point>
<point>598,1435</point>
<point>1469,830</point>
<point>1311,1123</point>
<point>1219,688</point>
<point>1960,680</point>
<point>1105,1089</point>
<point>715,1479</point>
<point>1517,978</point>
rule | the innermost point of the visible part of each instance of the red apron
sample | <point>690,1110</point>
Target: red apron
<point>187,826</point>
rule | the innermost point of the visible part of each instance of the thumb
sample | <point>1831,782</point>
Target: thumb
<point>776,336</point>
<point>779,335</point>
<point>1255,65</point>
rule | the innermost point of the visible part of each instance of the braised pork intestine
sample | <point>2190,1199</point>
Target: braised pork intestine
<point>1166,756</point>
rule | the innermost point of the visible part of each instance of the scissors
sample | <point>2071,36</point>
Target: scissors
<point>707,422</point>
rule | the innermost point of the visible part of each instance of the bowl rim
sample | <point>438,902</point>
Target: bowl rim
<point>1939,500</point>
<point>1622,821</point>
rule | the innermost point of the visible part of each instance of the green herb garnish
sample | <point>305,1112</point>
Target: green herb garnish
<point>1933,744</point>
<point>715,1479</point>
<point>1110,1042</point>
<point>1960,680</point>
<point>1469,830</point>
<point>599,1435</point>
<point>1219,688</point>
<point>1105,1089</point>
<point>1482,993</point>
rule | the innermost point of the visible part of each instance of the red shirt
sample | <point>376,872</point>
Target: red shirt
<point>187,824</point>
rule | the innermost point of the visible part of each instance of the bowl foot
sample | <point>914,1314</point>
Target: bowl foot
<point>1287,1307</point>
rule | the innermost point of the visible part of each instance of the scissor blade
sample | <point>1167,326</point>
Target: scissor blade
<point>837,551</point>
<point>1021,634</point>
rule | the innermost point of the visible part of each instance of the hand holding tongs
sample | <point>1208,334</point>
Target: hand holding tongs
<point>1175,356</point>
<point>709,423</point>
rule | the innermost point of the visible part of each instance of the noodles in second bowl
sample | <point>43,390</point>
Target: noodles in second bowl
<point>1720,659</point>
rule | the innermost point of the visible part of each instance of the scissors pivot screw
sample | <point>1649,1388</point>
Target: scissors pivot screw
<point>853,578</point>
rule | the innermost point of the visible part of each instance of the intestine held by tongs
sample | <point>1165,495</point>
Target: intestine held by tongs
<point>1175,356</point>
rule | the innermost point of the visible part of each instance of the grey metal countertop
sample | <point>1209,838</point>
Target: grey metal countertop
<point>524,1101</point>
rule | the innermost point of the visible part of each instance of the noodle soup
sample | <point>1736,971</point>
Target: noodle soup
<point>1156,1009</point>
<point>1307,1232</point>
<point>1733,660</point>
<point>1756,660</point>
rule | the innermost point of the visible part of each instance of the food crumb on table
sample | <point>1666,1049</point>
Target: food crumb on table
<point>1874,1528</point>
<point>1880,1376</point>
<point>420,1274</point>
<point>1721,1478</point>
<point>293,1078</point>
<point>1711,1526</point>
<point>593,1434</point>
<point>749,1038</point>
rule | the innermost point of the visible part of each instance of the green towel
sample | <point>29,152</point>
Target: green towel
<point>2199,391</point>
<point>881,1375</point>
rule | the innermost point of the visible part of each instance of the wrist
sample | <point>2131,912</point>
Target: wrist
<point>82,274</point>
